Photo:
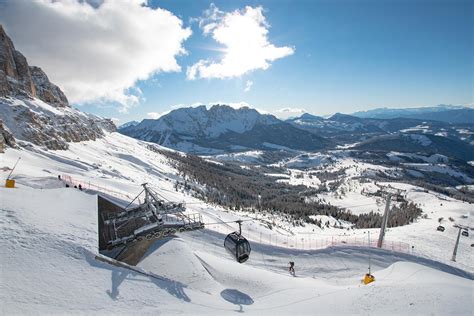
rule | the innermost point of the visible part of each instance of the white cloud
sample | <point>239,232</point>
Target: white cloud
<point>244,35</point>
<point>182,105</point>
<point>96,52</point>
<point>291,110</point>
<point>248,85</point>
<point>288,112</point>
<point>154,115</point>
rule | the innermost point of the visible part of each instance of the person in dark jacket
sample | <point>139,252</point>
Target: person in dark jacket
<point>291,268</point>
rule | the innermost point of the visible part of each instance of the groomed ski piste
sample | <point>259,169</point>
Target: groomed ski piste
<point>50,262</point>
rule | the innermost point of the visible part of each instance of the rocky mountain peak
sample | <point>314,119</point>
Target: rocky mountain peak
<point>35,111</point>
<point>18,79</point>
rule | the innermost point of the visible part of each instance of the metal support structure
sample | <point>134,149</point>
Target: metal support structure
<point>384,222</point>
<point>153,218</point>
<point>369,253</point>
<point>456,245</point>
<point>240,226</point>
<point>455,251</point>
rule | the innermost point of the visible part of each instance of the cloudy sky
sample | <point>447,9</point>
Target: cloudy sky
<point>131,59</point>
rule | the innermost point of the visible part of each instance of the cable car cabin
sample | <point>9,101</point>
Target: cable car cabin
<point>237,246</point>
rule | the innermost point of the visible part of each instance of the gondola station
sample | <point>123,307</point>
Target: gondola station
<point>125,233</point>
<point>127,228</point>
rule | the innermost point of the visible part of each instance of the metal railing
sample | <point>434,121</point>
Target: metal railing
<point>87,185</point>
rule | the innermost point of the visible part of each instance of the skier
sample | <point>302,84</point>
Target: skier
<point>291,268</point>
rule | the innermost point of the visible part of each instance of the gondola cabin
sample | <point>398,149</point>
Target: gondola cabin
<point>237,246</point>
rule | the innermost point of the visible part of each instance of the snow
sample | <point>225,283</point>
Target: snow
<point>212,122</point>
<point>253,156</point>
<point>49,241</point>
<point>308,160</point>
<point>421,139</point>
<point>440,168</point>
<point>186,146</point>
<point>435,158</point>
<point>279,147</point>
<point>465,131</point>
<point>418,128</point>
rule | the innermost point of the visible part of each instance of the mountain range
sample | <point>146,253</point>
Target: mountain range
<point>36,111</point>
<point>221,129</point>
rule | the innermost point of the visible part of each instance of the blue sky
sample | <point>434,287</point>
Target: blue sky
<point>341,56</point>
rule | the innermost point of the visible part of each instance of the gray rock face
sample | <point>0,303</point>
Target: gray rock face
<point>35,110</point>
<point>17,78</point>
<point>45,90</point>
<point>6,138</point>
<point>54,128</point>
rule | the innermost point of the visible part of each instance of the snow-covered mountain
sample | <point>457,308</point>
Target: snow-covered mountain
<point>131,123</point>
<point>222,128</point>
<point>35,110</point>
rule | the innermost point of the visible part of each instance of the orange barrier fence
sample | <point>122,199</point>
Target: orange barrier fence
<point>313,242</point>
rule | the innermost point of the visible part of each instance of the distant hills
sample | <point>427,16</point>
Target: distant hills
<point>418,143</point>
<point>443,113</point>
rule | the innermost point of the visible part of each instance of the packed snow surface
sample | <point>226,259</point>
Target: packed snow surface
<point>49,240</point>
<point>49,243</point>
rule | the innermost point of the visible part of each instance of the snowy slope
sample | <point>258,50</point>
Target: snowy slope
<point>34,121</point>
<point>48,266</point>
<point>49,240</point>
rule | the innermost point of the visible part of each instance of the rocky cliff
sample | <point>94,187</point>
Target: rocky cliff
<point>35,110</point>
<point>17,78</point>
<point>6,138</point>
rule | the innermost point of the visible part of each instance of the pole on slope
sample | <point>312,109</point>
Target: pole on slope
<point>384,222</point>
<point>9,175</point>
<point>457,243</point>
<point>369,252</point>
<point>368,277</point>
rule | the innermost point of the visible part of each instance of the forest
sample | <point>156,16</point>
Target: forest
<point>237,188</point>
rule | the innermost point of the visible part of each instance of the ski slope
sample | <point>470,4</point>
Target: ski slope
<point>49,239</point>
<point>49,242</point>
